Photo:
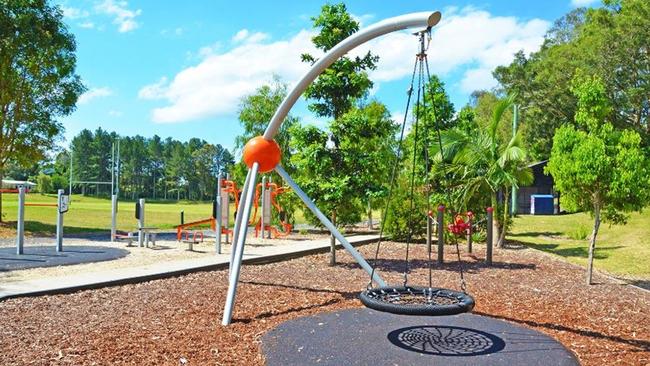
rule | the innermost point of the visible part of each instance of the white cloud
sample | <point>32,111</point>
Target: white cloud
<point>363,19</point>
<point>123,17</point>
<point>88,25</point>
<point>246,36</point>
<point>467,38</point>
<point>74,13</point>
<point>93,94</point>
<point>115,113</point>
<point>581,3</point>
<point>470,41</point>
<point>216,85</point>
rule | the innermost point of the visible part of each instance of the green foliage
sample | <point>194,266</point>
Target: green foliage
<point>44,183</point>
<point>37,79</point>
<point>597,168</point>
<point>579,233</point>
<point>149,167</point>
<point>404,217</point>
<point>59,182</point>
<point>610,42</point>
<point>345,81</point>
<point>343,169</point>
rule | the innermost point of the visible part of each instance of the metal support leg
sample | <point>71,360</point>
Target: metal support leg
<point>238,221</point>
<point>217,244</point>
<point>240,234</point>
<point>323,219</point>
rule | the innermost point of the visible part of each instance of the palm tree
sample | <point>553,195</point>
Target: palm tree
<point>483,163</point>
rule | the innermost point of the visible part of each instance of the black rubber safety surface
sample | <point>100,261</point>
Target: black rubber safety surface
<point>46,256</point>
<point>368,337</point>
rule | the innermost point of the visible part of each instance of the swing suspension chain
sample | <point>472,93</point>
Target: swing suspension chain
<point>415,155</point>
<point>421,65</point>
<point>398,156</point>
<point>463,284</point>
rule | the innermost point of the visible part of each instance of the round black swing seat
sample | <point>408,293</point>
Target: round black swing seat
<point>413,300</point>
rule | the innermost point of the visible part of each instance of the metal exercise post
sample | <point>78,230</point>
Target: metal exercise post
<point>218,216</point>
<point>141,223</point>
<point>323,219</point>
<point>59,221</point>
<point>240,234</point>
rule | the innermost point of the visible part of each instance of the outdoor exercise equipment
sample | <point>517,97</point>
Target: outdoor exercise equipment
<point>269,200</point>
<point>262,154</point>
<point>62,205</point>
<point>406,299</point>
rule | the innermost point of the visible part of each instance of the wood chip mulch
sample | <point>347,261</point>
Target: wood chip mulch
<point>177,321</point>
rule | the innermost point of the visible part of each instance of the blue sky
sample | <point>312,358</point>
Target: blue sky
<point>180,68</point>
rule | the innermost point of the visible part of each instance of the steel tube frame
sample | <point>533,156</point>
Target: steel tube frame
<point>218,216</point>
<point>238,223</point>
<point>240,234</point>
<point>328,224</point>
<point>423,20</point>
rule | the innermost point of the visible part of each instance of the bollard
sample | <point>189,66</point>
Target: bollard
<point>429,230</point>
<point>489,239</point>
<point>470,215</point>
<point>182,217</point>
<point>441,233</point>
<point>141,222</point>
<point>20,225</point>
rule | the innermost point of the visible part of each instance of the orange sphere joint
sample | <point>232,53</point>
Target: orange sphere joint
<point>266,153</point>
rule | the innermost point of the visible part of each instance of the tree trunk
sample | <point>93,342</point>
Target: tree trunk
<point>495,219</point>
<point>369,215</point>
<point>592,243</point>
<point>333,242</point>
<point>504,224</point>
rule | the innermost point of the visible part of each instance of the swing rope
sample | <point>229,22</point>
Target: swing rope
<point>414,300</point>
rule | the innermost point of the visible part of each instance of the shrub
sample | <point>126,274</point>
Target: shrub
<point>580,233</point>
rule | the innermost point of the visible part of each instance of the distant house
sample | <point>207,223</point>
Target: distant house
<point>15,184</point>
<point>542,184</point>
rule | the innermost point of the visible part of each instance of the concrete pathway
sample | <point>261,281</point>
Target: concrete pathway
<point>254,253</point>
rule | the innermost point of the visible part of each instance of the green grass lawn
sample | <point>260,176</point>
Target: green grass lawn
<point>622,250</point>
<point>89,214</point>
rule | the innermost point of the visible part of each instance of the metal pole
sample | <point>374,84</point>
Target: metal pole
<point>70,183</point>
<point>20,226</point>
<point>262,227</point>
<point>323,219</point>
<point>240,234</point>
<point>268,203</point>
<point>469,234</point>
<point>489,239</point>
<point>59,222</point>
<point>414,20</point>
<point>218,213</point>
<point>429,230</point>
<point>117,174</point>
<point>238,221</point>
<point>113,169</point>
<point>113,216</point>
<point>441,233</point>
<point>513,196</point>
<point>141,223</point>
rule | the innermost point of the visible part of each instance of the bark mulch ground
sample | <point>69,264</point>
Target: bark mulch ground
<point>172,321</point>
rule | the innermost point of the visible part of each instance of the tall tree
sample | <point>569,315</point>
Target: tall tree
<point>334,93</point>
<point>338,87</point>
<point>38,83</point>
<point>595,167</point>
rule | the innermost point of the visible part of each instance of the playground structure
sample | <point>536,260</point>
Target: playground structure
<point>62,205</point>
<point>262,154</point>
<point>145,235</point>
<point>268,196</point>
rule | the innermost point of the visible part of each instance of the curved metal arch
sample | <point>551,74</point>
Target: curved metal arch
<point>424,20</point>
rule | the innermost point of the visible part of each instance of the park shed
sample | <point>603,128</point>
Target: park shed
<point>542,185</point>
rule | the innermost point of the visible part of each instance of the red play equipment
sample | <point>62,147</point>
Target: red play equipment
<point>275,191</point>
<point>229,187</point>
<point>460,226</point>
